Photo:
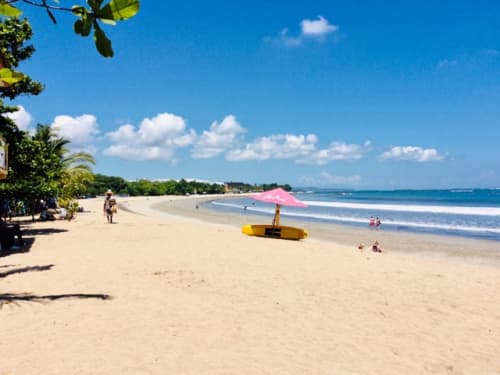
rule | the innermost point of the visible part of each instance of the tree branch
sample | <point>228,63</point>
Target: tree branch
<point>44,4</point>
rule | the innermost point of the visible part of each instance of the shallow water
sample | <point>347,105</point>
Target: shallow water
<point>472,213</point>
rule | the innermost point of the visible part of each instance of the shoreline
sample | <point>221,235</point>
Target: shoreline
<point>434,245</point>
<point>159,293</point>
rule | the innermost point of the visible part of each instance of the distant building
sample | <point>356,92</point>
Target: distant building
<point>237,187</point>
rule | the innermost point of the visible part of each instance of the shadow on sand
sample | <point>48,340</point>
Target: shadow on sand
<point>6,298</point>
<point>26,269</point>
<point>29,235</point>
<point>15,298</point>
<point>42,231</point>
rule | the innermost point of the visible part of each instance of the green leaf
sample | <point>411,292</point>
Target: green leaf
<point>102,43</point>
<point>87,20</point>
<point>8,10</point>
<point>95,4</point>
<point>119,10</point>
<point>78,10</point>
<point>83,26</point>
<point>10,76</point>
<point>78,27</point>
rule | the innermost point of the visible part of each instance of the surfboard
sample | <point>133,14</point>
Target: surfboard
<point>276,231</point>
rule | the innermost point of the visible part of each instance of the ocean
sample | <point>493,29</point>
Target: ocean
<point>472,213</point>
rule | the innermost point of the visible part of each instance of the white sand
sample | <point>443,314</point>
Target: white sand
<point>189,297</point>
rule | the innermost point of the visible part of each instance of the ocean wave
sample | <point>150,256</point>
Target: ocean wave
<point>455,210</point>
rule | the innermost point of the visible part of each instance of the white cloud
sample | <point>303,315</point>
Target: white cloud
<point>139,152</point>
<point>309,29</point>
<point>124,134</point>
<point>446,63</point>
<point>164,128</point>
<point>317,28</point>
<point>412,153</point>
<point>337,151</point>
<point>289,40</point>
<point>22,118</point>
<point>156,139</point>
<point>218,139</point>
<point>81,131</point>
<point>280,146</point>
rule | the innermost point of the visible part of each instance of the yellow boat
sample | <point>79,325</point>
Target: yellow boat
<point>274,231</point>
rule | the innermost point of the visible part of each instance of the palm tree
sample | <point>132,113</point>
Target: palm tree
<point>73,170</point>
<point>47,136</point>
<point>77,173</point>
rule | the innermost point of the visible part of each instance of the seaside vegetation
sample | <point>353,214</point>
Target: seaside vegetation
<point>40,165</point>
<point>120,186</point>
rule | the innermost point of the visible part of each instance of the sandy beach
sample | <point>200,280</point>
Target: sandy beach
<point>170,289</point>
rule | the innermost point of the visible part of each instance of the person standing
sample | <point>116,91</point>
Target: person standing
<point>372,222</point>
<point>109,206</point>
<point>377,223</point>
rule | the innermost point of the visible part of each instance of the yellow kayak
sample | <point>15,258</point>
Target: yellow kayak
<point>274,231</point>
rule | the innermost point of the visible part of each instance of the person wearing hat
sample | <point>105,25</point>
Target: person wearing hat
<point>109,206</point>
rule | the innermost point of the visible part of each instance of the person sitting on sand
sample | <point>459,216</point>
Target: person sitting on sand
<point>8,232</point>
<point>376,247</point>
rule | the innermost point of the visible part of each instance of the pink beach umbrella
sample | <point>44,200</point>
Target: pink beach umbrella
<point>279,197</point>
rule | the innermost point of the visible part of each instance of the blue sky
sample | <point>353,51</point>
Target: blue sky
<point>342,94</point>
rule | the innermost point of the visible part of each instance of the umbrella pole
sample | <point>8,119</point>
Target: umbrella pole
<point>276,219</point>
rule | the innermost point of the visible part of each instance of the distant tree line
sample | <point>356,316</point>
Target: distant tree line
<point>120,186</point>
<point>242,187</point>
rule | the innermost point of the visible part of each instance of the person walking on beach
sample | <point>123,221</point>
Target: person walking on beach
<point>109,206</point>
<point>372,222</point>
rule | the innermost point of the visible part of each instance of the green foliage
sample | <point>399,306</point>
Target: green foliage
<point>8,10</point>
<point>145,187</point>
<point>9,76</point>
<point>42,167</point>
<point>117,10</point>
<point>242,187</point>
<point>88,17</point>
<point>71,206</point>
<point>13,50</point>
<point>102,183</point>
<point>274,185</point>
<point>77,173</point>
<point>35,171</point>
<point>102,43</point>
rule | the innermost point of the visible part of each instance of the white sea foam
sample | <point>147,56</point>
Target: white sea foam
<point>347,219</point>
<point>456,210</point>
